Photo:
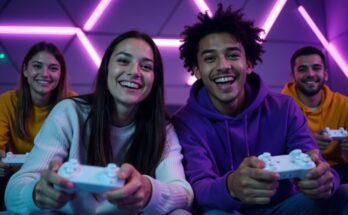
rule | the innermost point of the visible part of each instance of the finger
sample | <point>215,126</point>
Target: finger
<point>264,175</point>
<point>318,192</point>
<point>54,165</point>
<point>47,197</point>
<point>253,162</point>
<point>127,190</point>
<point>133,182</point>
<point>125,171</point>
<point>321,169</point>
<point>322,137</point>
<point>258,200</point>
<point>54,178</point>
<point>2,154</point>
<point>314,155</point>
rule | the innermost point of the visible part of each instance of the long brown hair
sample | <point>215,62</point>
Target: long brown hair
<point>150,134</point>
<point>24,102</point>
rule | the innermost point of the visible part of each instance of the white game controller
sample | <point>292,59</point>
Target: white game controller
<point>338,134</point>
<point>14,159</point>
<point>294,165</point>
<point>90,178</point>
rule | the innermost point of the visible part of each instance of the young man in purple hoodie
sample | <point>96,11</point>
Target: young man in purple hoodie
<point>231,118</point>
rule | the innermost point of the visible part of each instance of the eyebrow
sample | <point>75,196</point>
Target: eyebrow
<point>207,51</point>
<point>306,65</point>
<point>129,55</point>
<point>50,64</point>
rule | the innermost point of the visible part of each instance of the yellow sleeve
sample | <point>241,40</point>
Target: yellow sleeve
<point>7,116</point>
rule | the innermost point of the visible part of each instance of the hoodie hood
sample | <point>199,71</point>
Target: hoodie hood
<point>290,90</point>
<point>199,99</point>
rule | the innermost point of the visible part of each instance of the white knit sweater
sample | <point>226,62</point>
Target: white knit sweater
<point>60,139</point>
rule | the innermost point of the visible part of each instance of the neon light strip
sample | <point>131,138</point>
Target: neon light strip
<point>45,30</point>
<point>89,48</point>
<point>203,7</point>
<point>167,42</point>
<point>313,26</point>
<point>329,46</point>
<point>273,15</point>
<point>103,4</point>
<point>190,80</point>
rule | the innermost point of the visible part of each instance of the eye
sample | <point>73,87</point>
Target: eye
<point>302,69</point>
<point>54,68</point>
<point>233,56</point>
<point>123,61</point>
<point>317,68</point>
<point>209,58</point>
<point>147,67</point>
<point>37,66</point>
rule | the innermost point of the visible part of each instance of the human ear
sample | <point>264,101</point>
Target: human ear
<point>196,72</point>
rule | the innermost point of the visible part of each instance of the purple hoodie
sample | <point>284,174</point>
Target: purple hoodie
<point>214,145</point>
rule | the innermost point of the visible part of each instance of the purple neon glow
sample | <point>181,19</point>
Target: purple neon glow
<point>167,42</point>
<point>42,30</point>
<point>190,80</point>
<point>88,46</point>
<point>271,18</point>
<point>98,11</point>
<point>329,46</point>
<point>203,7</point>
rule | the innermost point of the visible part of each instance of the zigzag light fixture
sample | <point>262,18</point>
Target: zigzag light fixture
<point>272,17</point>
<point>328,46</point>
<point>98,11</point>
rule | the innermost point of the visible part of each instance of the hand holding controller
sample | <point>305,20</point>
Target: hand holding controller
<point>90,178</point>
<point>338,134</point>
<point>294,165</point>
<point>14,159</point>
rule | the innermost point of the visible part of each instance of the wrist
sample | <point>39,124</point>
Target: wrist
<point>230,179</point>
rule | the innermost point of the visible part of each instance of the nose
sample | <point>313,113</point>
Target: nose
<point>45,71</point>
<point>223,63</point>
<point>135,69</point>
<point>311,72</point>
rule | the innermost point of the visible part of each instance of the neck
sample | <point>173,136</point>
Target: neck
<point>232,108</point>
<point>310,101</point>
<point>123,116</point>
<point>40,100</point>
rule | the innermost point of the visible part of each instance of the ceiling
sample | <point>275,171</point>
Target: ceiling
<point>159,18</point>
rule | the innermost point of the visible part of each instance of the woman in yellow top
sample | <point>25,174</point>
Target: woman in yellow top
<point>43,82</point>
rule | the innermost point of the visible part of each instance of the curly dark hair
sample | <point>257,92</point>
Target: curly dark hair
<point>223,21</point>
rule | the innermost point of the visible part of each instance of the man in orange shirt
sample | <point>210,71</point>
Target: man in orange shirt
<point>321,106</point>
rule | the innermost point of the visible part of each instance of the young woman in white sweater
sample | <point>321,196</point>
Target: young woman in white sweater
<point>124,122</point>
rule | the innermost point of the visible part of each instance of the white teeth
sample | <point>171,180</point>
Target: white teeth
<point>43,81</point>
<point>224,79</point>
<point>130,84</point>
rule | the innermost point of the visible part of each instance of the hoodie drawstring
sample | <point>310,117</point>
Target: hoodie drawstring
<point>246,135</point>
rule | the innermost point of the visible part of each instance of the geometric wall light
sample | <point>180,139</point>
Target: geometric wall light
<point>328,46</point>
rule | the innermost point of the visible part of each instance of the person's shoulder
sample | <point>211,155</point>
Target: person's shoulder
<point>71,104</point>
<point>8,95</point>
<point>71,93</point>
<point>339,96</point>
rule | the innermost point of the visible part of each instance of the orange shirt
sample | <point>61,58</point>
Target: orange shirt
<point>332,113</point>
<point>8,103</point>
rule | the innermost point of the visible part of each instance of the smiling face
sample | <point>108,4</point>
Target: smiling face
<point>130,72</point>
<point>223,67</point>
<point>310,74</point>
<point>43,72</point>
